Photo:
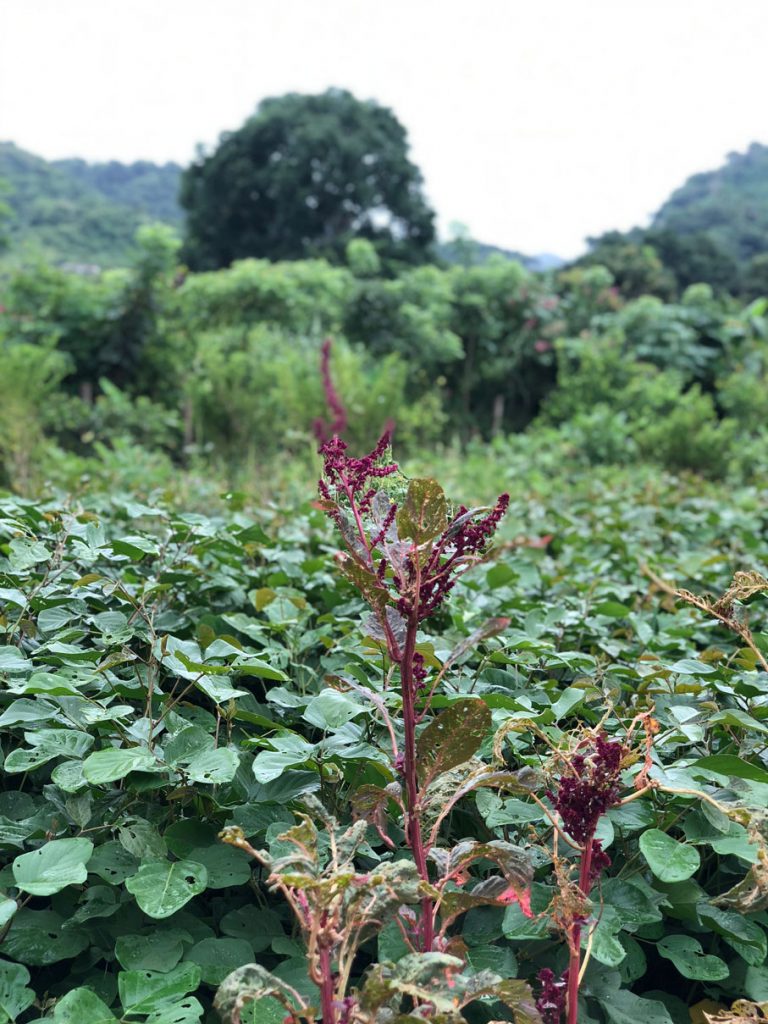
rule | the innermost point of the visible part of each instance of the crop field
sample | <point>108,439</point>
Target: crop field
<point>170,675</point>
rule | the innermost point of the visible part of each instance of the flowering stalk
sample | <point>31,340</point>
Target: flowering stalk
<point>338,425</point>
<point>590,788</point>
<point>404,559</point>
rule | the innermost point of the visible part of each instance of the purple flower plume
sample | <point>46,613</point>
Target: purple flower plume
<point>323,431</point>
<point>590,790</point>
<point>551,1000</point>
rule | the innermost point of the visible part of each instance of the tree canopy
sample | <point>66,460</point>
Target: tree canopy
<point>302,177</point>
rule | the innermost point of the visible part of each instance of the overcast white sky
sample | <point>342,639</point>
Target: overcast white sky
<point>535,122</point>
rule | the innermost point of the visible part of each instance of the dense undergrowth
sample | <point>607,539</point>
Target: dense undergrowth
<point>127,378</point>
<point>167,674</point>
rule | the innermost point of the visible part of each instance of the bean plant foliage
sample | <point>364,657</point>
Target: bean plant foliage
<point>353,764</point>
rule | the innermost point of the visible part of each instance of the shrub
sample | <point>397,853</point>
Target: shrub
<point>690,436</point>
<point>29,382</point>
<point>257,396</point>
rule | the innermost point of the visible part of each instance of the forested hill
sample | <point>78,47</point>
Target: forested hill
<point>730,204</point>
<point>73,211</point>
<point>150,189</point>
<point>713,228</point>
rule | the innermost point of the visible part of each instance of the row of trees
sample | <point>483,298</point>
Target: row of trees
<point>664,263</point>
<point>222,365</point>
<point>306,174</point>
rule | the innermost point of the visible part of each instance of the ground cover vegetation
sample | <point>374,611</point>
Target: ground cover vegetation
<point>578,798</point>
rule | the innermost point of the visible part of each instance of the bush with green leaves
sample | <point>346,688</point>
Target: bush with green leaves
<point>690,436</point>
<point>29,383</point>
<point>455,354</point>
<point>617,410</point>
<point>253,399</point>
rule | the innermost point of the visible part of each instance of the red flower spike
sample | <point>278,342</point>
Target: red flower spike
<point>590,790</point>
<point>323,431</point>
<point>551,1001</point>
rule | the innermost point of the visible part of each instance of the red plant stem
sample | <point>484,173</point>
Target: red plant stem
<point>574,963</point>
<point>413,824</point>
<point>326,986</point>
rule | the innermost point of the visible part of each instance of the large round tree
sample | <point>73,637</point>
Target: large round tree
<point>301,178</point>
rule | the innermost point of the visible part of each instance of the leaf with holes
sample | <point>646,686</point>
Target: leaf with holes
<point>248,983</point>
<point>161,887</point>
<point>424,513</point>
<point>39,938</point>
<point>53,867</point>
<point>149,991</point>
<point>213,767</point>
<point>183,1011</point>
<point>452,738</point>
<point>15,997</point>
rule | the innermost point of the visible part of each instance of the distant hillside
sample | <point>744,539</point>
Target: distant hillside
<point>468,251</point>
<point>729,204</point>
<point>149,189</point>
<point>72,211</point>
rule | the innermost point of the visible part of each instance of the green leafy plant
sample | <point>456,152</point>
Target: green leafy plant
<point>404,557</point>
<point>168,675</point>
